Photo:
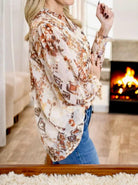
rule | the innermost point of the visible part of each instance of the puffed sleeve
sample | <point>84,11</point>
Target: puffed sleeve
<point>67,77</point>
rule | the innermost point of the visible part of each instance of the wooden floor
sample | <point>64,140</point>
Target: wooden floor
<point>115,137</point>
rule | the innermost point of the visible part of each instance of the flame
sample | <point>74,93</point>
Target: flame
<point>136,92</point>
<point>120,91</point>
<point>124,86</point>
<point>128,79</point>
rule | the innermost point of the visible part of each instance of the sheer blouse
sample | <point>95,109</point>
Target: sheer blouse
<point>62,82</point>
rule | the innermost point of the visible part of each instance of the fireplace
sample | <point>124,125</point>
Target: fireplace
<point>123,87</point>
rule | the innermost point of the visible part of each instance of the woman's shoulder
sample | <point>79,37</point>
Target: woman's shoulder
<point>39,22</point>
<point>40,27</point>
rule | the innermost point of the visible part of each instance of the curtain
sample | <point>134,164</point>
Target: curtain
<point>2,80</point>
<point>13,57</point>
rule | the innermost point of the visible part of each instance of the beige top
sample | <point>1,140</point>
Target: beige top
<point>62,84</point>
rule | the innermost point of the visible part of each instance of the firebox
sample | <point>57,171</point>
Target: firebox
<point>123,87</point>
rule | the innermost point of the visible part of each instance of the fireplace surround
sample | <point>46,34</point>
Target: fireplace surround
<point>123,95</point>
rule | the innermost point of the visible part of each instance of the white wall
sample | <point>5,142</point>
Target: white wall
<point>126,19</point>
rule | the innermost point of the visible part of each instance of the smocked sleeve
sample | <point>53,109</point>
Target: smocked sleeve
<point>68,79</point>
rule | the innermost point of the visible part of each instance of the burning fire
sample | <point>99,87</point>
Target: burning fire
<point>126,86</point>
<point>128,79</point>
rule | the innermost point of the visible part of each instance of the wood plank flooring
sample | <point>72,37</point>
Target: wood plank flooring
<point>115,137</point>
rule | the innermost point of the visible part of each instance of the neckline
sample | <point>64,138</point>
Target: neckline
<point>57,16</point>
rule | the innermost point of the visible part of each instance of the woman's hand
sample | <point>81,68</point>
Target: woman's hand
<point>105,16</point>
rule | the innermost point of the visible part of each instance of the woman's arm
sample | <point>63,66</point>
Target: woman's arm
<point>98,52</point>
<point>105,16</point>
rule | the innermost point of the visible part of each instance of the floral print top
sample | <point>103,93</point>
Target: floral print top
<point>62,83</point>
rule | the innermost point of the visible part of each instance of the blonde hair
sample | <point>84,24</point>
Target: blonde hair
<point>32,8</point>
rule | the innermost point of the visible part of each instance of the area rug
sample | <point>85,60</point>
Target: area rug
<point>83,179</point>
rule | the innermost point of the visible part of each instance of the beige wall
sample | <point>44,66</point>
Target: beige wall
<point>126,19</point>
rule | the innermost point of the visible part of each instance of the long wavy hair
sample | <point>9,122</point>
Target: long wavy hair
<point>32,7</point>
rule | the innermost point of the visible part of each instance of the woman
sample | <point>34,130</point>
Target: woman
<point>65,74</point>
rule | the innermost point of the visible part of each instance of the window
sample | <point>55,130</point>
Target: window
<point>85,10</point>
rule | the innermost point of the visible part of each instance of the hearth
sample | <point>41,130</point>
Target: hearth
<point>123,87</point>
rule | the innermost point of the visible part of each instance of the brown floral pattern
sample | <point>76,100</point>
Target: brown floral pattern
<point>61,81</point>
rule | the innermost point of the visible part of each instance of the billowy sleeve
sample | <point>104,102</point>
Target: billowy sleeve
<point>98,48</point>
<point>69,80</point>
<point>97,53</point>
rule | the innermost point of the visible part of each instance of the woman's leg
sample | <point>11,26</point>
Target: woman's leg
<point>85,153</point>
